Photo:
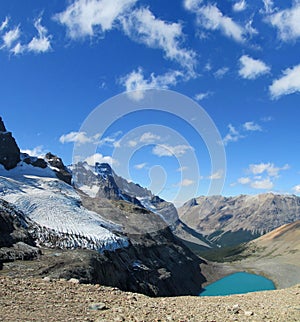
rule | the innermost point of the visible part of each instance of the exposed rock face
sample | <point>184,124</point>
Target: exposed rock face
<point>15,240</point>
<point>13,226</point>
<point>9,150</point>
<point>58,166</point>
<point>230,221</point>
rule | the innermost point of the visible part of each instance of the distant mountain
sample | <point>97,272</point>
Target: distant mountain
<point>229,221</point>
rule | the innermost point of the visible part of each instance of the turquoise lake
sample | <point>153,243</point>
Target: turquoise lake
<point>238,283</point>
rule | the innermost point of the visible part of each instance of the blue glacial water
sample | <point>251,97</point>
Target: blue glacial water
<point>238,283</point>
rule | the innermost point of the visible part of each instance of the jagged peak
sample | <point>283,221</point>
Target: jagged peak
<point>2,126</point>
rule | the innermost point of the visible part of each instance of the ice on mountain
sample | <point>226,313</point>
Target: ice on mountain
<point>56,206</point>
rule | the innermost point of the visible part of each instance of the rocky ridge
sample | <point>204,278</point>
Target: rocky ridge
<point>232,220</point>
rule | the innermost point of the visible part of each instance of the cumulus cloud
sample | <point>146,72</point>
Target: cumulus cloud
<point>289,83</point>
<point>268,168</point>
<point>185,183</point>
<point>192,5</point>
<point>216,175</point>
<point>244,180</point>
<point>201,96</point>
<point>10,37</point>
<point>38,151</point>
<point>135,82</point>
<point>232,136</point>
<point>239,6</point>
<point>265,184</point>
<point>147,138</point>
<point>210,17</point>
<point>287,22</point>
<point>268,6</point>
<point>296,189</point>
<point>4,23</point>
<point>41,43</point>
<point>100,158</point>
<point>140,166</point>
<point>79,138</point>
<point>252,68</point>
<point>221,72</point>
<point>165,150</point>
<point>181,169</point>
<point>251,126</point>
<point>85,18</point>
<point>262,175</point>
<point>142,26</point>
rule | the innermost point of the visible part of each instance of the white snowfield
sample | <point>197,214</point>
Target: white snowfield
<point>56,207</point>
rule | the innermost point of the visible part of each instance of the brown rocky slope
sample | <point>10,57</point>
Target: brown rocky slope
<point>41,300</point>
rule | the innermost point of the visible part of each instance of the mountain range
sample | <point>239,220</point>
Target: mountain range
<point>228,221</point>
<point>87,222</point>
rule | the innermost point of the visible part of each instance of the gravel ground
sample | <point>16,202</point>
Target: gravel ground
<point>43,300</point>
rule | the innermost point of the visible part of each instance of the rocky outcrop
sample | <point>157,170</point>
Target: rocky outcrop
<point>13,226</point>
<point>9,150</point>
<point>228,221</point>
<point>62,172</point>
<point>155,265</point>
<point>15,240</point>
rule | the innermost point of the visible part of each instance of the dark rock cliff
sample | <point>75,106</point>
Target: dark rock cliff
<point>9,150</point>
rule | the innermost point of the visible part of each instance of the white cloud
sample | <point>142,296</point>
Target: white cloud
<point>79,138</point>
<point>264,184</point>
<point>135,82</point>
<point>88,17</point>
<point>185,183</point>
<point>221,72</point>
<point>239,6</point>
<point>251,126</point>
<point>142,26</point>
<point>268,6</point>
<point>252,68</point>
<point>149,137</point>
<point>140,166</point>
<point>18,49</point>
<point>287,22</point>
<point>4,24</point>
<point>10,37</point>
<point>211,18</point>
<point>250,29</point>
<point>262,175</point>
<point>289,83</point>
<point>35,152</point>
<point>232,136</point>
<point>201,96</point>
<point>192,5</point>
<point>181,169</point>
<point>296,189</point>
<point>98,157</point>
<point>216,175</point>
<point>165,150</point>
<point>268,168</point>
<point>41,43</point>
<point>267,119</point>
<point>244,180</point>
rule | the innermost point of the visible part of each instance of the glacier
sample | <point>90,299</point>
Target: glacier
<point>56,208</point>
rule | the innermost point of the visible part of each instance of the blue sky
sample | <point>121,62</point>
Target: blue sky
<point>238,59</point>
